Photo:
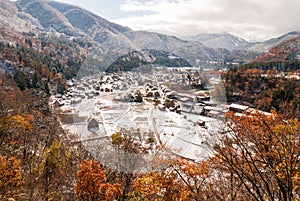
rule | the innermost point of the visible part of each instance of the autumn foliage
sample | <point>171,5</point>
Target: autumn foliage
<point>161,185</point>
<point>257,158</point>
<point>92,184</point>
<point>262,153</point>
<point>10,176</point>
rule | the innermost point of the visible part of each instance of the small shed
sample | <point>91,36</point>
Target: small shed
<point>93,125</point>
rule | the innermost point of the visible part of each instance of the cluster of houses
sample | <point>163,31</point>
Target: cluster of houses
<point>166,99</point>
<point>163,96</point>
<point>184,103</point>
<point>88,88</point>
<point>158,93</point>
<point>76,92</point>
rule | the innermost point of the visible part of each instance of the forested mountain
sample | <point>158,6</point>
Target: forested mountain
<point>145,57</point>
<point>33,152</point>
<point>270,81</point>
<point>58,18</point>
<point>287,50</point>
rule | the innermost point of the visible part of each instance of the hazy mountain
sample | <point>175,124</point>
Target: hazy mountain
<point>231,42</point>
<point>12,17</point>
<point>97,27</point>
<point>192,51</point>
<point>70,20</point>
<point>48,17</point>
<point>151,40</point>
<point>267,45</point>
<point>224,40</point>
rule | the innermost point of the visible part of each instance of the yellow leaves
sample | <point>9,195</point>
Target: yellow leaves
<point>54,159</point>
<point>117,138</point>
<point>21,123</point>
<point>291,127</point>
<point>14,128</point>
<point>182,180</point>
<point>296,180</point>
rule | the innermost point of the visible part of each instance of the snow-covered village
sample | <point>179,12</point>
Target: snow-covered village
<point>176,108</point>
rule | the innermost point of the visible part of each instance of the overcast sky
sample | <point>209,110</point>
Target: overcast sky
<point>249,19</point>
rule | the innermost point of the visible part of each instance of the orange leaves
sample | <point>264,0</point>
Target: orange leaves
<point>264,154</point>
<point>30,118</point>
<point>92,185</point>
<point>197,177</point>
<point>37,114</point>
<point>10,176</point>
<point>90,178</point>
<point>165,185</point>
<point>182,180</point>
<point>191,170</point>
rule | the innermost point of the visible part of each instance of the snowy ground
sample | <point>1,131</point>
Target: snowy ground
<point>180,134</point>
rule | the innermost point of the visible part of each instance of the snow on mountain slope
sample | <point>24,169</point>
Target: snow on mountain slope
<point>224,40</point>
<point>267,45</point>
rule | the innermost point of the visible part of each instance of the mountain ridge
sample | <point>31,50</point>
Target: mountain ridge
<point>232,42</point>
<point>285,51</point>
<point>56,18</point>
<point>265,46</point>
<point>224,40</point>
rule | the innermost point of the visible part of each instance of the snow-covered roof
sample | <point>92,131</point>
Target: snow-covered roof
<point>238,106</point>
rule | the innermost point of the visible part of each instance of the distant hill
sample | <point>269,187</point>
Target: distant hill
<point>136,59</point>
<point>224,40</point>
<point>231,42</point>
<point>267,45</point>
